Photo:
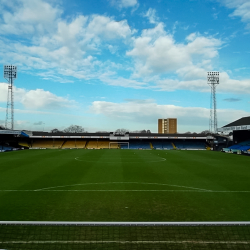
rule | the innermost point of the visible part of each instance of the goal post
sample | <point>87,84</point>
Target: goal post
<point>119,143</point>
<point>24,235</point>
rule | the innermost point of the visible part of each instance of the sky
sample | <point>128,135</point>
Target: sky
<point>111,64</point>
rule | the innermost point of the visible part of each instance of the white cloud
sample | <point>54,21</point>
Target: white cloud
<point>156,52</point>
<point>36,99</point>
<point>4,92</point>
<point>148,111</point>
<point>227,85</point>
<point>242,9</point>
<point>234,86</point>
<point>199,85</point>
<point>124,3</point>
<point>108,28</point>
<point>40,99</point>
<point>150,14</point>
<point>66,47</point>
<point>123,82</point>
<point>28,17</point>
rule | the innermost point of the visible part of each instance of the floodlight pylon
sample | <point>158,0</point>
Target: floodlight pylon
<point>10,73</point>
<point>213,78</point>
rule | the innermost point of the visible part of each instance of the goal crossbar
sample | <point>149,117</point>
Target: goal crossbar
<point>126,223</point>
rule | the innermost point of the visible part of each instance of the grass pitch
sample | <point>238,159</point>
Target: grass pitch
<point>124,185</point>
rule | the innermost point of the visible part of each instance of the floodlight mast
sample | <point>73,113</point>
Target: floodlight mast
<point>213,78</point>
<point>10,73</point>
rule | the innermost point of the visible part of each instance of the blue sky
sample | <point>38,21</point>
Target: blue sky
<point>109,64</point>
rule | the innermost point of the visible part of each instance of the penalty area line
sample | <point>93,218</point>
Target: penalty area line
<point>126,242</point>
<point>101,183</point>
<point>125,190</point>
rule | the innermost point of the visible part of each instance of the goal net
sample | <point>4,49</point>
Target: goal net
<point>124,235</point>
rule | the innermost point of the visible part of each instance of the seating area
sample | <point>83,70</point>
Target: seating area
<point>139,145</point>
<point>133,144</point>
<point>178,144</point>
<point>189,144</point>
<point>5,148</point>
<point>114,145</point>
<point>92,145</point>
<point>162,145</point>
<point>47,144</point>
<point>74,144</point>
<point>24,144</point>
<point>242,146</point>
<point>103,144</point>
<point>80,144</point>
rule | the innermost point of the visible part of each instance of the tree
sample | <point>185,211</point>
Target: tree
<point>74,129</point>
<point>205,132</point>
<point>2,127</point>
<point>121,131</point>
<point>55,130</point>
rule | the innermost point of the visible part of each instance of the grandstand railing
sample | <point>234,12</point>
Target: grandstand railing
<point>124,235</point>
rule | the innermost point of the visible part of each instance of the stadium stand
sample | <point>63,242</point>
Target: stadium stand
<point>80,144</point>
<point>74,144</point>
<point>189,144</point>
<point>114,145</point>
<point>47,144</point>
<point>139,145</point>
<point>242,146</point>
<point>162,145</point>
<point>69,144</point>
<point>157,144</point>
<point>5,148</point>
<point>24,144</point>
<point>91,145</point>
<point>103,144</point>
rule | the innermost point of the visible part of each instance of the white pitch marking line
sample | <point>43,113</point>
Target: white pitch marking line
<point>144,183</point>
<point>162,159</point>
<point>128,190</point>
<point>124,242</point>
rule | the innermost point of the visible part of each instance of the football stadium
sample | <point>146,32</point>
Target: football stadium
<point>116,67</point>
<point>124,191</point>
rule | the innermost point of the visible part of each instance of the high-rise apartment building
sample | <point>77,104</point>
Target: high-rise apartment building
<point>167,126</point>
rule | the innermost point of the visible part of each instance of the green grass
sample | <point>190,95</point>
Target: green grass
<point>124,185</point>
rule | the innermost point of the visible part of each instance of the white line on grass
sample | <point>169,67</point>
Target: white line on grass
<point>125,242</point>
<point>161,160</point>
<point>124,190</point>
<point>144,183</point>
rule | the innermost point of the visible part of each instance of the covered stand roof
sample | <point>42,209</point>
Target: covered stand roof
<point>240,124</point>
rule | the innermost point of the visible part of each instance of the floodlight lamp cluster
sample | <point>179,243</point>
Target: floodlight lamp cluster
<point>213,73</point>
<point>9,67</point>
<point>213,77</point>
<point>10,71</point>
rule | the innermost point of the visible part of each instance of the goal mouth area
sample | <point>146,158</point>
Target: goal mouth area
<point>55,235</point>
